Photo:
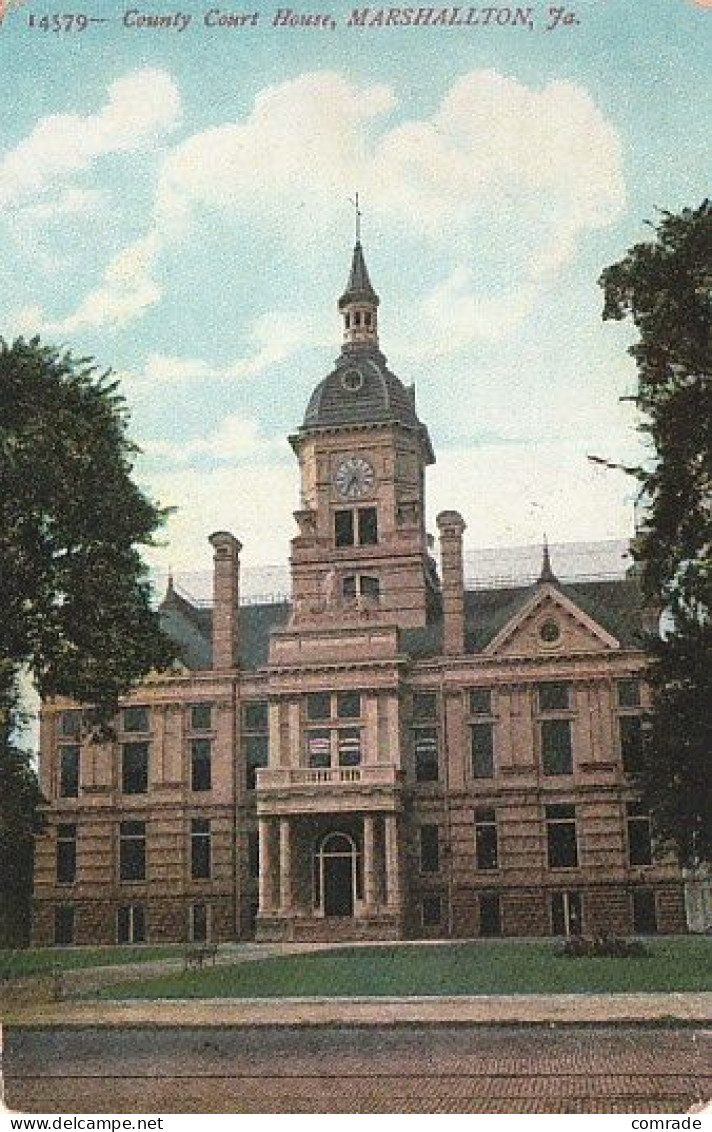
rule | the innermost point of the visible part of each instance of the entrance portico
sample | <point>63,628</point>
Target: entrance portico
<point>329,876</point>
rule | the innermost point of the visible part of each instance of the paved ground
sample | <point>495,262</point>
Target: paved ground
<point>347,1069</point>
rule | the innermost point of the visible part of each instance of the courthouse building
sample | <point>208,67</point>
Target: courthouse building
<point>387,755</point>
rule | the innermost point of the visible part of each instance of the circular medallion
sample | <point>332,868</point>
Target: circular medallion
<point>354,477</point>
<point>352,380</point>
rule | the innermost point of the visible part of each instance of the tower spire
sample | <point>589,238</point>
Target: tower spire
<point>359,303</point>
<point>547,574</point>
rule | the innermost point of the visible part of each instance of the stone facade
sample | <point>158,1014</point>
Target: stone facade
<point>389,756</point>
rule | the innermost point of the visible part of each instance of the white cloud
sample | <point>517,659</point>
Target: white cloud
<point>142,107</point>
<point>234,440</point>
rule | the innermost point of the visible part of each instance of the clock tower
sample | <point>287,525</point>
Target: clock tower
<point>362,549</point>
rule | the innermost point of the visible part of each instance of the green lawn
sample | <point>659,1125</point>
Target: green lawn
<point>487,967</point>
<point>36,960</point>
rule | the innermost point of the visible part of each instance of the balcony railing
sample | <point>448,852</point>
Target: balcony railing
<point>364,775</point>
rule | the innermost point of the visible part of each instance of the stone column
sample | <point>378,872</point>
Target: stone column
<point>226,594</point>
<point>451,526</point>
<point>265,876</point>
<point>369,863</point>
<point>393,893</point>
<point>285,866</point>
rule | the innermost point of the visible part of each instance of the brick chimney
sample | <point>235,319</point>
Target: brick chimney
<point>451,526</point>
<point>226,592</point>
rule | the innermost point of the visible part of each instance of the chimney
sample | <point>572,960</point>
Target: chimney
<point>451,526</point>
<point>226,592</point>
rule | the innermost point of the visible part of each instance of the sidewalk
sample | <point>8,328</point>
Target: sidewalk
<point>525,1009</point>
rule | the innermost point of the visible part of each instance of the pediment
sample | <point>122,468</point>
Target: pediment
<point>550,624</point>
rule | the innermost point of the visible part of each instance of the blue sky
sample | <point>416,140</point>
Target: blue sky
<point>176,204</point>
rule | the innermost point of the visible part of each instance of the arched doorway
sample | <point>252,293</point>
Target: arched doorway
<point>336,863</point>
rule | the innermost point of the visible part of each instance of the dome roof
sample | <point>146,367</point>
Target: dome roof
<point>361,390</point>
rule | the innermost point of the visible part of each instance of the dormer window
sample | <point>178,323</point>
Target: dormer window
<point>357,318</point>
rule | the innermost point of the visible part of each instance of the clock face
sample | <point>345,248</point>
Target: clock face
<point>354,477</point>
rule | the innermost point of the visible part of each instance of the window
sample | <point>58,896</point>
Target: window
<point>131,924</point>
<point>199,923</point>
<point>430,911</point>
<point>486,847</point>
<point>425,706</point>
<point>134,768</point>
<point>556,746</point>
<point>64,925</point>
<point>425,742</point>
<point>135,719</point>
<point>255,738</point>
<point>554,696</point>
<point>200,849</point>
<point>628,693</point>
<point>561,837</point>
<point>358,527</point>
<point>640,849</point>
<point>70,724</point>
<point>482,740</point>
<point>201,717</point>
<point>490,914</point>
<point>566,913</point>
<point>132,850</point>
<point>645,916</point>
<point>253,854</point>
<point>429,849</point>
<point>66,853</point>
<point>630,728</point>
<point>69,770</point>
<point>200,764</point>
<point>365,586</point>
<point>339,743</point>
<point>480,701</point>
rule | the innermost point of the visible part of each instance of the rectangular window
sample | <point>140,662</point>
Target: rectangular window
<point>429,849</point>
<point>135,719</point>
<point>640,848</point>
<point>200,849</point>
<point>199,923</point>
<point>256,756</point>
<point>344,528</point>
<point>70,723</point>
<point>348,705</point>
<point>201,717</point>
<point>132,850</point>
<point>134,768</point>
<point>555,695</point>
<point>253,854</point>
<point>255,738</point>
<point>201,757</point>
<point>131,924</point>
<point>556,746</point>
<point>630,729</point>
<point>645,916</point>
<point>480,701</point>
<point>66,854</point>
<point>425,706</point>
<point>490,914</point>
<point>425,741</point>
<point>318,744</point>
<point>69,770</point>
<point>318,705</point>
<point>255,716</point>
<point>628,692</point>
<point>486,843</point>
<point>561,837</point>
<point>349,740</point>
<point>431,911</point>
<point>64,925</point>
<point>566,913</point>
<point>482,740</point>
<point>367,520</point>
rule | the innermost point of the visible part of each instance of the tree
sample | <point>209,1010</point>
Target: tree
<point>20,820</point>
<point>665,288</point>
<point>75,607</point>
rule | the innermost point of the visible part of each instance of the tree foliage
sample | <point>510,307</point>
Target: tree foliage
<point>75,608</point>
<point>75,599</point>
<point>665,287</point>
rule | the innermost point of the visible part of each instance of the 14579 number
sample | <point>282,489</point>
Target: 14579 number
<point>57,22</point>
